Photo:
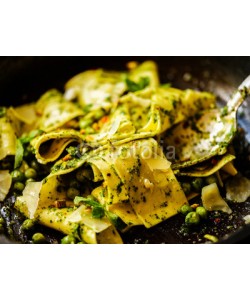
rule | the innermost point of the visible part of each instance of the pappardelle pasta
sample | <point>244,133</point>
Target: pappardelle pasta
<point>116,150</point>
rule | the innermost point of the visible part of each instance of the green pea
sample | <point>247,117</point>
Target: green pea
<point>88,173</point>
<point>89,130</point>
<point>29,180</point>
<point>68,239</point>
<point>186,186</point>
<point>74,184</point>
<point>192,218</point>
<point>2,220</point>
<point>99,114</point>
<point>79,176</point>
<point>35,165</point>
<point>1,229</point>
<point>17,176</point>
<point>28,224</point>
<point>72,193</point>
<point>85,123</point>
<point>28,151</point>
<point>211,179</point>
<point>84,174</point>
<point>202,212</point>
<point>185,209</point>
<point>197,184</point>
<point>30,173</point>
<point>19,186</point>
<point>38,238</point>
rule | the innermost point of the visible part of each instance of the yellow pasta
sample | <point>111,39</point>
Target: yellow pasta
<point>94,157</point>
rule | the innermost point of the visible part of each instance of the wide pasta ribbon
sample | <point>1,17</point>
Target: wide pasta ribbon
<point>55,111</point>
<point>37,202</point>
<point>49,146</point>
<point>141,187</point>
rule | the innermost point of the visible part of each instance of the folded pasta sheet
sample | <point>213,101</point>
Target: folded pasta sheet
<point>149,113</point>
<point>139,178</point>
<point>49,146</point>
<point>37,202</point>
<point>92,161</point>
<point>7,138</point>
<point>55,111</point>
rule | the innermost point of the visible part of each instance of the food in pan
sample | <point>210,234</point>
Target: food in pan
<point>117,150</point>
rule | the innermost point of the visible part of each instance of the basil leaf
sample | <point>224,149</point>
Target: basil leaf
<point>19,154</point>
<point>90,201</point>
<point>98,212</point>
<point>97,209</point>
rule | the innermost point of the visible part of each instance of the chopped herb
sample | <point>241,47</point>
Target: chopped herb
<point>137,86</point>
<point>119,187</point>
<point>73,151</point>
<point>115,220</point>
<point>87,108</point>
<point>166,85</point>
<point>98,212</point>
<point>97,209</point>
<point>31,136</point>
<point>244,92</point>
<point>19,154</point>
<point>224,111</point>
<point>2,111</point>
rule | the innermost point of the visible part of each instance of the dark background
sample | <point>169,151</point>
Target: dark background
<point>31,76</point>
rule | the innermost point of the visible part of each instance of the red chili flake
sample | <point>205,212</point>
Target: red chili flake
<point>66,158</point>
<point>214,161</point>
<point>104,119</point>
<point>217,220</point>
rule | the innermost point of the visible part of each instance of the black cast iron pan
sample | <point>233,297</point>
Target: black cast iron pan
<point>24,79</point>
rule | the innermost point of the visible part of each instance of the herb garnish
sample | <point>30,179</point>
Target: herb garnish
<point>97,209</point>
<point>137,86</point>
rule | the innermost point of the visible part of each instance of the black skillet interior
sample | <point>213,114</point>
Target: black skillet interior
<point>24,79</point>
